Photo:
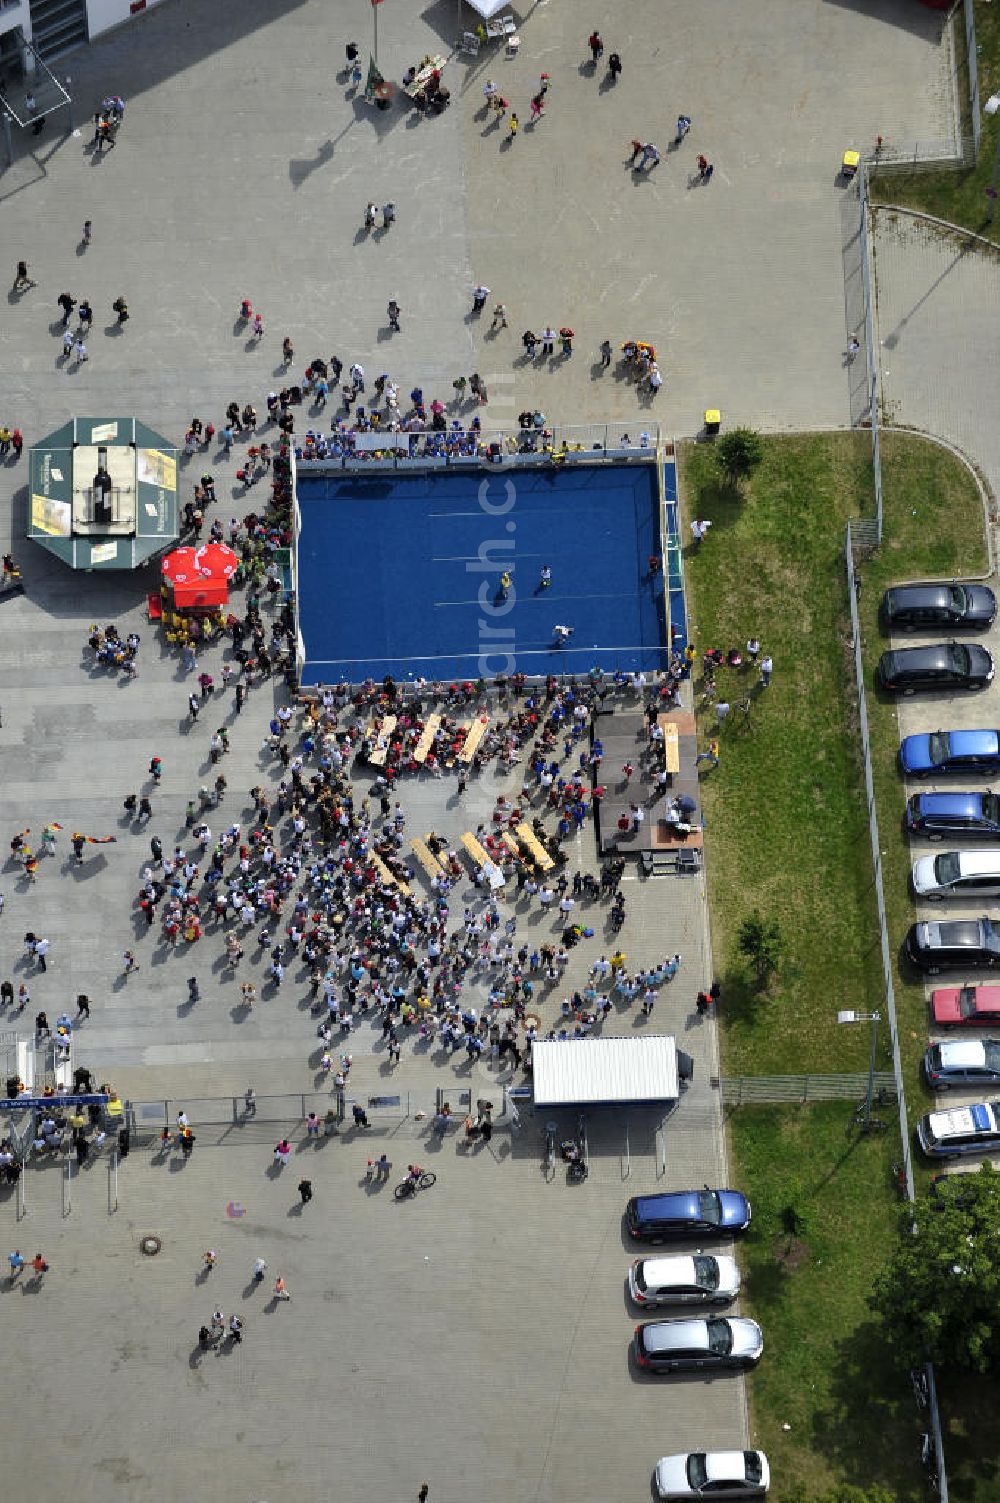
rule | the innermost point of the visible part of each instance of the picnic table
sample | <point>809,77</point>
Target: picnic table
<point>427,735</point>
<point>423,73</point>
<point>473,739</point>
<point>381,747</point>
<point>671,745</point>
<point>533,845</point>
<point>387,876</point>
<point>427,859</point>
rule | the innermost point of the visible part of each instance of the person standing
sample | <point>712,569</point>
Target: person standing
<point>67,303</point>
<point>39,1266</point>
<point>479,296</point>
<point>22,278</point>
<point>388,215</point>
<point>514,123</point>
<point>499,317</point>
<point>281,1288</point>
<point>305,1191</point>
<point>16,1263</point>
<point>548,341</point>
<point>766,669</point>
<point>236,1329</point>
<point>699,531</point>
<point>80,350</point>
<point>393,310</point>
<point>605,354</point>
<point>41,950</point>
<point>614,67</point>
<point>83,1005</point>
<point>596,47</point>
<point>259,1270</point>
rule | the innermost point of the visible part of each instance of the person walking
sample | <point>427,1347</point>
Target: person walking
<point>67,303</point>
<point>236,1329</point>
<point>305,1191</point>
<point>699,530</point>
<point>69,340</point>
<point>39,1267</point>
<point>83,1005</point>
<point>393,310</point>
<point>548,341</point>
<point>605,354</point>
<point>21,278</point>
<point>371,211</point>
<point>42,947</point>
<point>281,1288</point>
<point>388,215</point>
<point>88,232</point>
<point>259,1270</point>
<point>479,296</point>
<point>614,67</point>
<point>422,1494</point>
<point>130,963</point>
<point>596,47</point>
<point>766,669</point>
<point>80,350</point>
<point>513,123</point>
<point>499,317</point>
<point>16,1263</point>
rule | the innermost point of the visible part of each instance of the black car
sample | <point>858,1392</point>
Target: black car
<point>946,665</point>
<point>919,607</point>
<point>971,944</point>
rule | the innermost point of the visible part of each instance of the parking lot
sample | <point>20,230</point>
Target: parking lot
<point>472,1335</point>
<point>919,714</point>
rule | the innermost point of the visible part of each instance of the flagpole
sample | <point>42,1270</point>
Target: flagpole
<point>375,18</point>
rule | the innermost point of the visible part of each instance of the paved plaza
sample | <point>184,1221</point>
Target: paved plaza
<point>483,1348</point>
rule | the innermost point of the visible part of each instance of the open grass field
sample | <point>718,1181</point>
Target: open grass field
<point>959,197</point>
<point>786,831</point>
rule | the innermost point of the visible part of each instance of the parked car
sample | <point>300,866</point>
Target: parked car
<point>946,665</point>
<point>966,1007</point>
<point>957,874</point>
<point>711,1474</point>
<point>973,944</point>
<point>704,1279</point>
<point>960,1130</point>
<point>919,607</point>
<point>950,751</point>
<point>973,815</point>
<point>964,1062</point>
<point>686,1213</point>
<point>716,1343</point>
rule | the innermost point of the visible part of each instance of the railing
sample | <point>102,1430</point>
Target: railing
<point>970,52</point>
<point>747,1090</point>
<point>922,156</point>
<point>563,444</point>
<point>868,298</point>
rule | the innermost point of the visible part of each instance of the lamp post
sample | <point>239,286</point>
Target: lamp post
<point>375,6</point>
<point>990,108</point>
<point>848,1015</point>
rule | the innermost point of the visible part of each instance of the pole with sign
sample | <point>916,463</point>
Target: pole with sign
<point>375,6</point>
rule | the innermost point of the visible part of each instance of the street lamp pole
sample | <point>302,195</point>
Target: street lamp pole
<point>874,1018</point>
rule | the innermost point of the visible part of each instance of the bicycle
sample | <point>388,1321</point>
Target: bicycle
<point>549,1160</point>
<point>411,1186</point>
<point>862,1117</point>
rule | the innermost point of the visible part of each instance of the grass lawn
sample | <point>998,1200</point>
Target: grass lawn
<point>786,831</point>
<point>824,1373</point>
<point>959,197</point>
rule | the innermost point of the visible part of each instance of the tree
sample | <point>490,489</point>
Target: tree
<point>761,942</point>
<point>738,453</point>
<point>939,1294</point>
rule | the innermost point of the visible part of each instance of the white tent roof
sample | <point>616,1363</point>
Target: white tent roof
<point>489,8</point>
<point>604,1071</point>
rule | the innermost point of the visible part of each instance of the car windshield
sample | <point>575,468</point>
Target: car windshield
<point>959,599</point>
<point>946,867</point>
<point>710,1207</point>
<point>992,1052</point>
<point>961,658</point>
<point>751,1460</point>
<point>720,1337</point>
<point>939,746</point>
<point>640,1276</point>
<point>697,1471</point>
<point>706,1273</point>
<point>991,934</point>
<point>967,1002</point>
<point>991,807</point>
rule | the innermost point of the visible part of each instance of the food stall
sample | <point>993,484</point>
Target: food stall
<point>195,589</point>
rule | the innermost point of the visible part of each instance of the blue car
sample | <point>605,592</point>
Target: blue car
<point>687,1213</point>
<point>970,815</point>
<point>950,751</point>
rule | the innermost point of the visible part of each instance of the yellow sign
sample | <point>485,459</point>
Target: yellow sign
<point>53,517</point>
<point>156,468</point>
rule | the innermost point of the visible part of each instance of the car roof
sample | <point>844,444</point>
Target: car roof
<point>972,743</point>
<point>978,863</point>
<point>920,594</point>
<point>725,1465</point>
<point>969,804</point>
<point>959,1121</point>
<point>962,1054</point>
<point>668,1335</point>
<point>968,931</point>
<point>672,1203</point>
<point>676,1270</point>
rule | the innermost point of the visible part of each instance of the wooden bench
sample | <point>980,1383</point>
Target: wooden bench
<point>533,845</point>
<point>461,733</point>
<point>387,876</point>
<point>473,739</point>
<point>427,735</point>
<point>381,747</point>
<point>671,748</point>
<point>511,845</point>
<point>427,859</point>
<point>478,853</point>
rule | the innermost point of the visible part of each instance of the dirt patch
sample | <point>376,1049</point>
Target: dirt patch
<point>791,1254</point>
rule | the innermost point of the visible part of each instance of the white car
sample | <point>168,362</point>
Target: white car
<point>701,1279</point>
<point>712,1474</point>
<point>957,874</point>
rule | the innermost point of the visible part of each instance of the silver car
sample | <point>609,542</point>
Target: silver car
<point>715,1343</point>
<point>711,1474</point>
<point>957,874</point>
<point>970,1063</point>
<point>701,1279</point>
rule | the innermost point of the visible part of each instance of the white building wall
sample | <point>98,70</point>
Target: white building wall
<point>103,14</point>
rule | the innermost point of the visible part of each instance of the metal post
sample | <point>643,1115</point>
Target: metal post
<point>375,19</point>
<point>67,1192</point>
<point>113,1182</point>
<point>866,1125</point>
<point>7,141</point>
<point>22,1209</point>
<point>993,100</point>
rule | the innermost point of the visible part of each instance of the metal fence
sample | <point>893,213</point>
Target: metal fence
<point>756,1090</point>
<point>868,296</point>
<point>970,52</point>
<point>923,156</point>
